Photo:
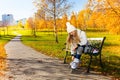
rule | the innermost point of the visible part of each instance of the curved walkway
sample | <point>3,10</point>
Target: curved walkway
<point>24,63</point>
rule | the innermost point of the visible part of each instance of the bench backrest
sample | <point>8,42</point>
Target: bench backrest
<point>97,42</point>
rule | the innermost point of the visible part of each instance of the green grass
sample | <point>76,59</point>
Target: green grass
<point>3,41</point>
<point>45,43</point>
<point>6,38</point>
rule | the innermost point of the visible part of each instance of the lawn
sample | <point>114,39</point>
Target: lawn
<point>45,43</point>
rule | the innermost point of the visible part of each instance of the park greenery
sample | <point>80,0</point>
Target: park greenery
<point>44,42</point>
<point>46,32</point>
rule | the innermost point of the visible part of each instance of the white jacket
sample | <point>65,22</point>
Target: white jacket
<point>82,36</point>
<point>83,39</point>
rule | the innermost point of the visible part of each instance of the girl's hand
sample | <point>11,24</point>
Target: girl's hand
<point>73,57</point>
<point>75,48</point>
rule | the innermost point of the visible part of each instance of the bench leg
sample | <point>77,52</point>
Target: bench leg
<point>101,62</point>
<point>89,64</point>
<point>65,57</point>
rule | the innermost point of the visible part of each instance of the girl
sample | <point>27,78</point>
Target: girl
<point>76,40</point>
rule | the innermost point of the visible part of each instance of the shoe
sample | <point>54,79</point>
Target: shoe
<point>73,70</point>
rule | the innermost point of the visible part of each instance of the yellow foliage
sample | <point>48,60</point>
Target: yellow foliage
<point>42,24</point>
<point>2,59</point>
<point>64,20</point>
<point>99,14</point>
<point>29,23</point>
<point>73,19</point>
<point>80,19</point>
<point>2,51</point>
<point>105,14</point>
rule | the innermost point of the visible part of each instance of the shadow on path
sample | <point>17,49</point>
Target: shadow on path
<point>24,63</point>
<point>47,69</point>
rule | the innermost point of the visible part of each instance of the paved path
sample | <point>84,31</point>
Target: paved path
<point>24,63</point>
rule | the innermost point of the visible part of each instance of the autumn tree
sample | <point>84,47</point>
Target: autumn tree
<point>31,25</point>
<point>109,14</point>
<point>53,9</point>
<point>73,19</point>
<point>20,24</point>
<point>40,19</point>
<point>64,20</point>
<point>81,19</point>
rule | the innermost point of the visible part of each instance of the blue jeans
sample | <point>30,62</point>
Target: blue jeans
<point>77,53</point>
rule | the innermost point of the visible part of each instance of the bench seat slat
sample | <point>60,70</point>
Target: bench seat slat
<point>101,39</point>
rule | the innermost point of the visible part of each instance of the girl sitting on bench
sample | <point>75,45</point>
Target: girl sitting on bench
<point>76,41</point>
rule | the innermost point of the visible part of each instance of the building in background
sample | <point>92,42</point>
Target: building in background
<point>7,19</point>
<point>0,23</point>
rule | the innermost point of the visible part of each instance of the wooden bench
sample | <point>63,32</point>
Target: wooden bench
<point>94,43</point>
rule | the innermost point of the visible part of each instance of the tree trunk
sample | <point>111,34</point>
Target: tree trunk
<point>55,26</point>
<point>55,32</point>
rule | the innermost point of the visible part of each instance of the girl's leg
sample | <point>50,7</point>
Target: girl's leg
<point>76,55</point>
<point>79,52</point>
<point>73,54</point>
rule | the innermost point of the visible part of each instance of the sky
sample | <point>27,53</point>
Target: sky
<point>25,8</point>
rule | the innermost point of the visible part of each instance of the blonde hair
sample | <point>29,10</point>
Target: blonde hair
<point>72,39</point>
